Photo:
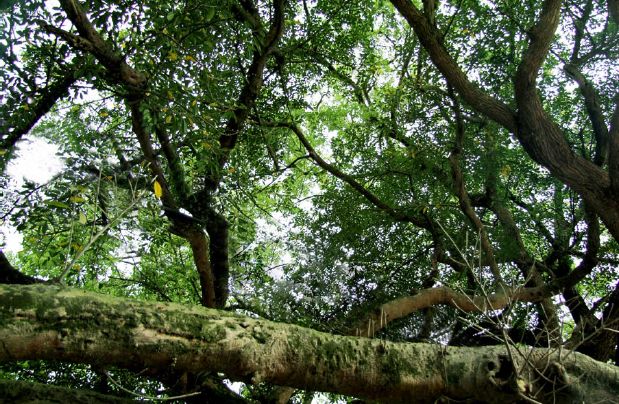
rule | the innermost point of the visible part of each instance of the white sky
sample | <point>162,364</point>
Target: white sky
<point>36,160</point>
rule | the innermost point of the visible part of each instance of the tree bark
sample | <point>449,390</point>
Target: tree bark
<point>15,391</point>
<point>11,134</point>
<point>539,135</point>
<point>8,274</point>
<point>56,323</point>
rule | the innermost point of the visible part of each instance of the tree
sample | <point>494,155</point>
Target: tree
<point>440,177</point>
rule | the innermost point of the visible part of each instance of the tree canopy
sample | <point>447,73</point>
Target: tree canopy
<point>442,174</point>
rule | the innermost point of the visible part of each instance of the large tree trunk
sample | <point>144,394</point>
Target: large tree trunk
<point>49,322</point>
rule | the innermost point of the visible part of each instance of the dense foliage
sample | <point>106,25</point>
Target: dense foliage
<point>311,162</point>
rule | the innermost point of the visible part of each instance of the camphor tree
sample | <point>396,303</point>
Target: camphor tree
<point>392,201</point>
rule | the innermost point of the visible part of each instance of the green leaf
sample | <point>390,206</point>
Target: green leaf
<point>210,13</point>
<point>57,204</point>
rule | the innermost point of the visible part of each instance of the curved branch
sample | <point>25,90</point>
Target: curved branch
<point>538,133</point>
<point>463,196</point>
<point>51,94</point>
<point>201,206</point>
<point>367,194</point>
<point>251,89</point>
<point>596,116</point>
<point>544,140</point>
<point>135,84</point>
<point>10,275</point>
<point>430,38</point>
<point>405,306</point>
<point>134,80</point>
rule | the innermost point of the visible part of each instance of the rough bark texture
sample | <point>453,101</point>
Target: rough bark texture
<point>12,391</point>
<point>47,322</point>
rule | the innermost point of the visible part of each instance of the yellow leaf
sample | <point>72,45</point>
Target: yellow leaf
<point>26,107</point>
<point>103,114</point>
<point>170,95</point>
<point>194,103</point>
<point>231,170</point>
<point>190,58</point>
<point>168,119</point>
<point>173,56</point>
<point>158,190</point>
<point>2,152</point>
<point>82,218</point>
<point>505,171</point>
<point>206,145</point>
<point>77,199</point>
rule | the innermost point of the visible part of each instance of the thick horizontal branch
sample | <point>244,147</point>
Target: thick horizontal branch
<point>15,391</point>
<point>55,323</point>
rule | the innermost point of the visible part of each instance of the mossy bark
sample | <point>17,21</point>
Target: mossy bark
<point>49,322</point>
<point>14,391</point>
